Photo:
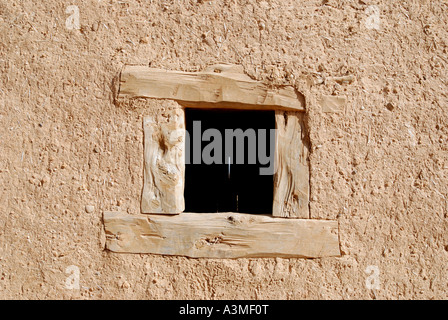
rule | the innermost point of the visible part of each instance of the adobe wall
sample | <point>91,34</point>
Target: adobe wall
<point>379,163</point>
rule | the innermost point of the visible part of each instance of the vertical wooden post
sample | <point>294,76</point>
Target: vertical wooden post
<point>291,178</point>
<point>164,156</point>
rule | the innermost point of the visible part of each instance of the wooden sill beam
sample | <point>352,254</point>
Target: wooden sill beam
<point>221,235</point>
<point>219,86</point>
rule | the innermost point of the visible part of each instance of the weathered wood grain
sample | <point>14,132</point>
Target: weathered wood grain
<point>221,235</point>
<point>291,178</point>
<point>332,104</point>
<point>164,163</point>
<point>219,86</point>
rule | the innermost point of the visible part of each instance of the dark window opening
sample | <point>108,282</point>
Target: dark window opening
<point>224,187</point>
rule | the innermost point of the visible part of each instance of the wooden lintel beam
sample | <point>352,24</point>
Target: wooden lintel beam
<point>222,85</point>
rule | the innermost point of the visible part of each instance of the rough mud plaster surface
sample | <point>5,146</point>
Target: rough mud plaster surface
<point>379,166</point>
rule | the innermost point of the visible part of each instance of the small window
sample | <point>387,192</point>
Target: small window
<point>232,182</point>
<point>256,204</point>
